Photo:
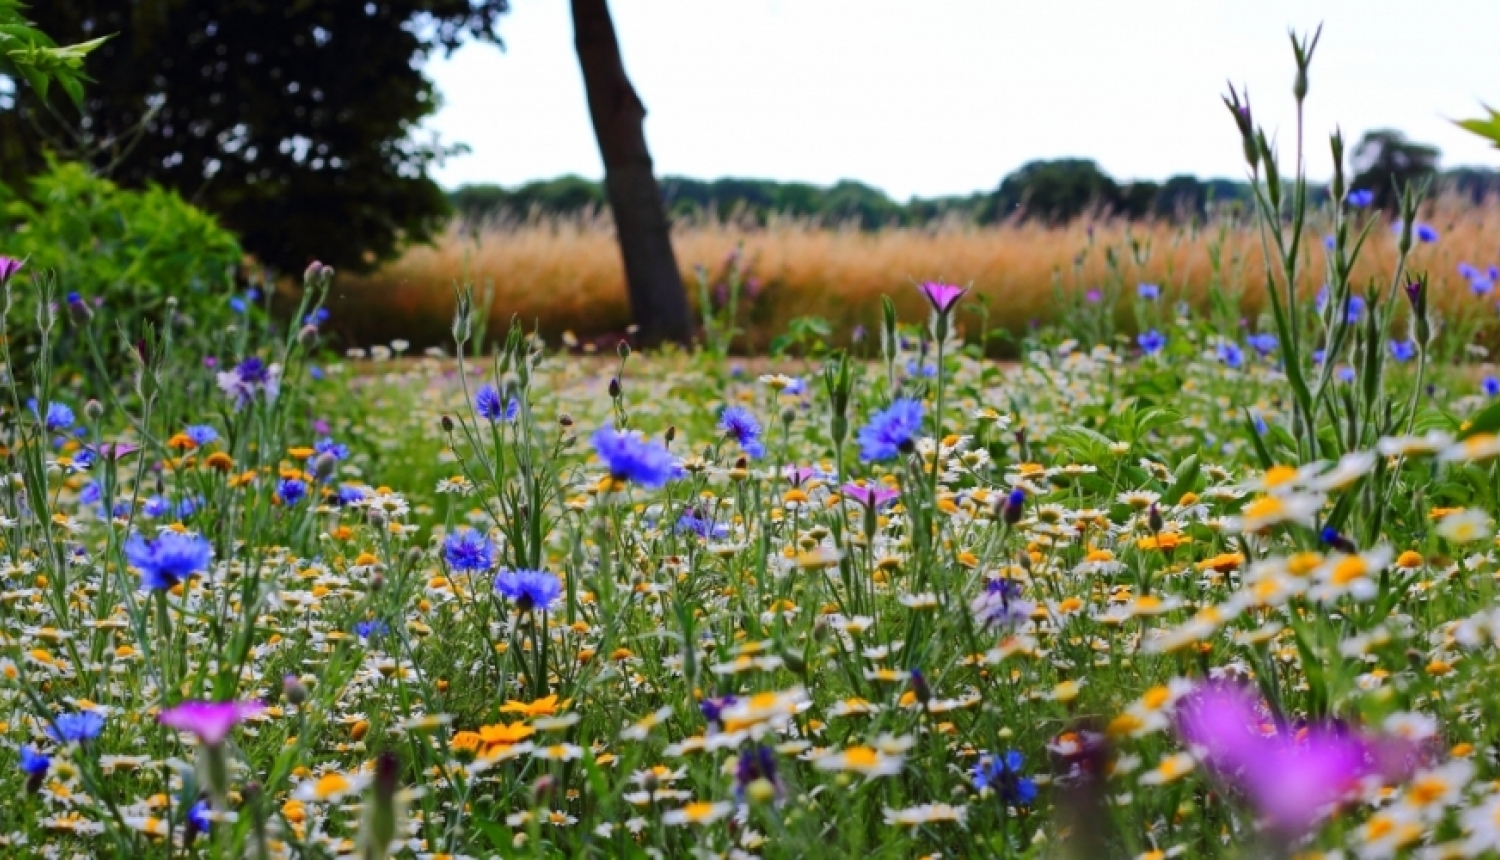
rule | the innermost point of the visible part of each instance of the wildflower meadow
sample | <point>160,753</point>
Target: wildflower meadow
<point>1216,587</point>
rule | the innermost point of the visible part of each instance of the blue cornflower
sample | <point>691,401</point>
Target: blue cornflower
<point>1467,272</point>
<point>1426,233</point>
<point>90,493</point>
<point>631,458</point>
<point>691,523</point>
<point>1403,350</point>
<point>1345,374</point>
<point>1151,341</point>
<point>198,817</point>
<point>316,373</point>
<point>59,417</point>
<point>291,490</point>
<point>237,304</point>
<point>371,629</point>
<point>796,387</point>
<point>348,494</point>
<point>891,431</point>
<point>155,507</point>
<point>1002,775</point>
<point>76,728</point>
<point>1356,309</point>
<point>1231,354</point>
<point>317,317</point>
<point>34,763</point>
<point>1481,286</point>
<point>326,445</point>
<point>1359,198</point>
<point>529,589</point>
<point>1330,241</point>
<point>1263,344</point>
<point>1490,386</point>
<point>201,434</point>
<point>468,550</point>
<point>169,559</point>
<point>713,708</point>
<point>756,763</point>
<point>84,459</point>
<point>1260,424</point>
<point>1149,292</point>
<point>489,404</point>
<point>189,506</point>
<point>927,371</point>
<point>737,421</point>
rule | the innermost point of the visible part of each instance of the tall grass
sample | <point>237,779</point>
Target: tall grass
<point>564,274</point>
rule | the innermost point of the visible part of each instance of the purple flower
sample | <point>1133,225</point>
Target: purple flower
<point>1263,344</point>
<point>737,422</point>
<point>1490,386</point>
<point>942,296</point>
<point>1403,350</point>
<point>890,431</point>
<point>1149,292</point>
<point>169,559</point>
<point>1291,781</point>
<point>249,378</point>
<point>529,589</point>
<point>631,458</point>
<point>291,490</point>
<point>8,268</point>
<point>488,404</point>
<point>999,605</point>
<point>468,550</point>
<point>1360,198</point>
<point>76,728</point>
<point>210,721</point>
<point>1151,341</point>
<point>871,495</point>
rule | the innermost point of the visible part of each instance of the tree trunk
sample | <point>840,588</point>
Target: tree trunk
<point>657,298</point>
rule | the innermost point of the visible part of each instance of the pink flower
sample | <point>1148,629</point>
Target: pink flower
<point>210,721</point>
<point>8,268</point>
<point>869,495</point>
<point>1292,779</point>
<point>116,450</point>
<point>942,296</point>
<point>798,475</point>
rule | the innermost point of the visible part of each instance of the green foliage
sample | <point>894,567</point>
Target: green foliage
<point>130,249</point>
<point>293,122</point>
<point>27,53</point>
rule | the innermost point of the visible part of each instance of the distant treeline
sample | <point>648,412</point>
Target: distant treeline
<point>1056,191</point>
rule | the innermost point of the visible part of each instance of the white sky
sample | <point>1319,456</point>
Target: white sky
<point>934,97</point>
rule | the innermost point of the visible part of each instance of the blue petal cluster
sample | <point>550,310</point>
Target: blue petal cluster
<point>631,458</point>
<point>169,559</point>
<point>528,589</point>
<point>890,430</point>
<point>737,422</point>
<point>468,550</point>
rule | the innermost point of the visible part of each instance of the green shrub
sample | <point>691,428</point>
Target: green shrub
<point>129,249</point>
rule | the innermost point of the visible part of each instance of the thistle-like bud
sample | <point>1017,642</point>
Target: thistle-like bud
<point>293,689</point>
<point>79,309</point>
<point>307,335</point>
<point>565,420</point>
<point>324,465</point>
<point>623,349</point>
<point>1154,519</point>
<point>614,388</point>
<point>1015,505</point>
<point>93,410</point>
<point>378,829</point>
<point>447,423</point>
<point>671,433</point>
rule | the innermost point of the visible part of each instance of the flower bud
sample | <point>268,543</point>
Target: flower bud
<point>293,689</point>
<point>324,465</point>
<point>447,424</point>
<point>614,388</point>
<point>93,410</point>
<point>307,335</point>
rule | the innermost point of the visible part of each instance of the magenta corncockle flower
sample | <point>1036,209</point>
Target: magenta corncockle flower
<point>1293,779</point>
<point>8,268</point>
<point>115,450</point>
<point>870,495</point>
<point>798,475</point>
<point>942,296</point>
<point>210,721</point>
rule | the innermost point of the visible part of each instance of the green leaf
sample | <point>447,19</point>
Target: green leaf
<point>1487,421</point>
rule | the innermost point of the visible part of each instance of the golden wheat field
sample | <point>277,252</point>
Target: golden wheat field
<point>566,275</point>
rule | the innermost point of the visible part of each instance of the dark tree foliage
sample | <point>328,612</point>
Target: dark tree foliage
<point>1385,163</point>
<point>292,120</point>
<point>1055,191</point>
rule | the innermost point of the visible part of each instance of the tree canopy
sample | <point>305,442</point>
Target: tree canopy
<point>294,122</point>
<point>1385,163</point>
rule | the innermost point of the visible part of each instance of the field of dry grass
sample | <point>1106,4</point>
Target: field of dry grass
<point>566,274</point>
